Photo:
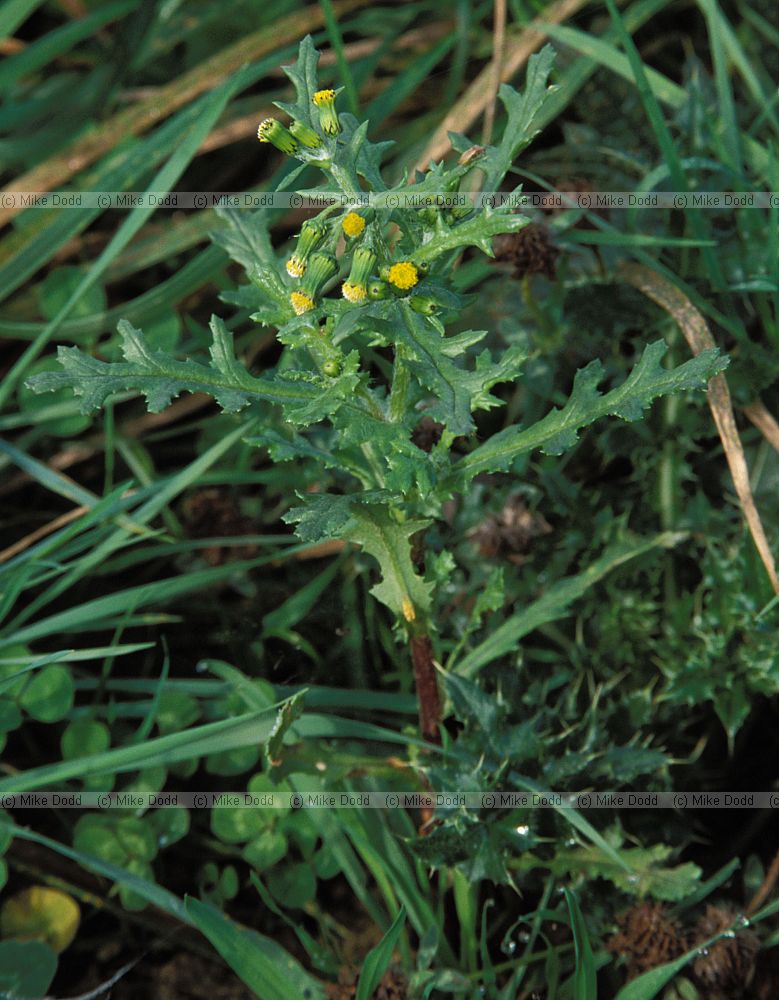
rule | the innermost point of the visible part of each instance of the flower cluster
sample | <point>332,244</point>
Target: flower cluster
<point>290,140</point>
<point>313,263</point>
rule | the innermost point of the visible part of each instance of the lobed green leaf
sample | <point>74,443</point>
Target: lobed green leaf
<point>161,378</point>
<point>559,430</point>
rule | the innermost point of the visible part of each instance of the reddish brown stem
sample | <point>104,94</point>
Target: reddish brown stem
<point>427,687</point>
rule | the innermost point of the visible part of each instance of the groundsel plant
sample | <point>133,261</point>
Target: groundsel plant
<point>361,305</point>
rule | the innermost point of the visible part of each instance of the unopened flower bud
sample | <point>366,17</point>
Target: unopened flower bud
<point>321,268</point>
<point>274,132</point>
<point>363,263</point>
<point>311,235</point>
<point>423,304</point>
<point>305,135</point>
<point>328,117</point>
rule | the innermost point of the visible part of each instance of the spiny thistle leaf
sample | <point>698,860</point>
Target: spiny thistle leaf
<point>292,448</point>
<point>324,516</point>
<point>648,875</point>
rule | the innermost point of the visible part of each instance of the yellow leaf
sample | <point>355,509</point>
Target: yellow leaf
<point>41,914</point>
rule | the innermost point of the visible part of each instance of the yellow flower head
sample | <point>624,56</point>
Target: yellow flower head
<point>296,266</point>
<point>353,224</point>
<point>354,292</point>
<point>311,235</point>
<point>355,288</point>
<point>322,97</point>
<point>301,303</point>
<point>403,275</point>
<point>408,610</point>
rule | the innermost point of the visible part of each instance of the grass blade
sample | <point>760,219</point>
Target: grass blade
<point>213,737</point>
<point>209,110</point>
<point>59,41</point>
<point>378,959</point>
<point>13,13</point>
<point>585,984</point>
<point>261,963</point>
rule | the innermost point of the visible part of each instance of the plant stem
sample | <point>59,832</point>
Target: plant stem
<point>427,687</point>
